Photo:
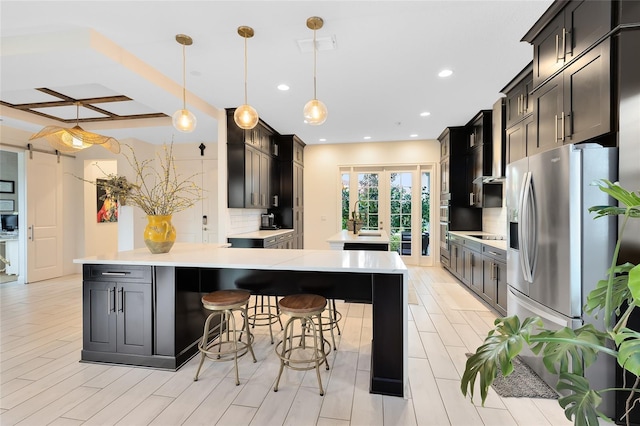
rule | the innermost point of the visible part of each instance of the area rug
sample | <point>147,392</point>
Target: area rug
<point>523,382</point>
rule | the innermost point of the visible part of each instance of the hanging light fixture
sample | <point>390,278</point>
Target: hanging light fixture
<point>183,119</point>
<point>315,112</point>
<point>245,116</point>
<point>76,138</point>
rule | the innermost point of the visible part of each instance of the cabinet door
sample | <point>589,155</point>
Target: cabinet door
<point>475,171</point>
<point>473,270</point>
<point>444,146</point>
<point>265,181</point>
<point>547,57</point>
<point>252,177</point>
<point>513,105</point>
<point>587,96</point>
<point>134,330</point>
<point>489,276</point>
<point>518,137</point>
<point>548,107</point>
<point>501,288</point>
<point>99,316</point>
<point>584,23</point>
<point>298,183</point>
<point>444,176</point>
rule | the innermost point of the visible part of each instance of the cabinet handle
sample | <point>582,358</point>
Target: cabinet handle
<point>471,198</point>
<point>275,201</point>
<point>115,274</point>
<point>493,253</point>
<point>556,124</point>
<point>493,265</point>
<point>557,47</point>
<point>525,103</point>
<point>519,104</point>
<point>109,301</point>
<point>121,300</point>
<point>31,230</point>
<point>564,44</point>
<point>562,126</point>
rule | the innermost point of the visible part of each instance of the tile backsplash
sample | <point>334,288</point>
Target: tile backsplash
<point>244,220</point>
<point>494,220</point>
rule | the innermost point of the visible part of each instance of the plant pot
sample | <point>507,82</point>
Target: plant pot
<point>159,234</point>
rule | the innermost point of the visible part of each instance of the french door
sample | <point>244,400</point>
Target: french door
<point>395,199</point>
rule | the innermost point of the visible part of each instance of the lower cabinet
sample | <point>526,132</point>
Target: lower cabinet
<point>494,271</point>
<point>117,312</point>
<point>280,241</point>
<point>482,268</point>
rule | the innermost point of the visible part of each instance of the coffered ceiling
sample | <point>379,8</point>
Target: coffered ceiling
<point>377,75</point>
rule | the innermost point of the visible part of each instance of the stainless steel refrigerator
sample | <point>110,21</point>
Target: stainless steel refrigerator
<point>556,251</point>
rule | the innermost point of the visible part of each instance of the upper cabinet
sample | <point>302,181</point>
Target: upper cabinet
<point>250,165</point>
<point>563,33</point>
<point>479,162</point>
<point>518,103</point>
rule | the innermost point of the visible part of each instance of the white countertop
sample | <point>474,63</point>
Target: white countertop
<point>346,236</point>
<point>213,256</point>
<point>262,234</point>
<point>500,244</point>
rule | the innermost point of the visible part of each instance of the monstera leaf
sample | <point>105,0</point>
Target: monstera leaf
<point>634,282</point>
<point>582,403</point>
<point>620,291</point>
<point>502,344</point>
<point>629,199</point>
<point>628,342</point>
<point>569,349</point>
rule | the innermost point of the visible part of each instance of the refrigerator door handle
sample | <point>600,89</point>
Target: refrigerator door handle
<point>524,229</point>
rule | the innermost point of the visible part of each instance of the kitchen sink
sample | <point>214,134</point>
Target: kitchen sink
<point>369,233</point>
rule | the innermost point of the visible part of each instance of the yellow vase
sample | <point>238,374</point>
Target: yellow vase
<point>159,234</point>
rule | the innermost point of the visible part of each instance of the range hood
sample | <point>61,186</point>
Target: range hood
<point>498,148</point>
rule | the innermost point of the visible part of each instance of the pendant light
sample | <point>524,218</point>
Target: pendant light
<point>183,119</point>
<point>245,116</point>
<point>76,138</point>
<point>315,112</point>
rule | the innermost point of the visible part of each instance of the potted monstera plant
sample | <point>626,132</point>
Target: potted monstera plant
<point>568,352</point>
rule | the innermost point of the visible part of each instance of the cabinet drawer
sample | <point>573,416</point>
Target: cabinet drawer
<point>120,273</point>
<point>494,253</point>
<point>473,245</point>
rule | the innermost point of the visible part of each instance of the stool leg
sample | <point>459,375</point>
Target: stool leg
<point>249,337</point>
<point>269,317</point>
<point>335,316</point>
<point>288,325</point>
<point>332,321</point>
<point>315,345</point>
<point>232,320</point>
<point>203,344</point>
<point>322,341</point>
<point>278,313</point>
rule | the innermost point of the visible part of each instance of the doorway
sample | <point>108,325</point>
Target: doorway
<point>396,199</point>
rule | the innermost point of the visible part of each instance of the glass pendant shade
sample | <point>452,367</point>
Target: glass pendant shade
<point>246,117</point>
<point>184,120</point>
<point>315,112</point>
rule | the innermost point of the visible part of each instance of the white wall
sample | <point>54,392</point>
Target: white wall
<point>321,178</point>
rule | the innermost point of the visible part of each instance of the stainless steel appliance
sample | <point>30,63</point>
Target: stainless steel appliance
<point>556,250</point>
<point>267,221</point>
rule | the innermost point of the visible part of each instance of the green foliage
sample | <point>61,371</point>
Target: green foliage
<point>570,352</point>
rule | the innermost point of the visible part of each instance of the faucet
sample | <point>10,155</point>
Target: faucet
<point>355,215</point>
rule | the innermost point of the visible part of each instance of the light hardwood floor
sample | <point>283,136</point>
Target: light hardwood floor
<point>43,383</point>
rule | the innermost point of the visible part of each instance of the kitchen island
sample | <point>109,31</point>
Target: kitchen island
<point>144,309</point>
<point>365,240</point>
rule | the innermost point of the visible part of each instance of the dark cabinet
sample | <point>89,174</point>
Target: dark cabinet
<point>494,268</point>
<point>472,267</point>
<point>518,137</point>
<point>480,145</point>
<point>282,240</point>
<point>250,167</point>
<point>289,212</point>
<point>560,39</point>
<point>117,315</point>
<point>518,103</point>
<point>575,105</point>
<point>456,264</point>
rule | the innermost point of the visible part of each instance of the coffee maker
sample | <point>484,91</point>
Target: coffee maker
<point>267,221</point>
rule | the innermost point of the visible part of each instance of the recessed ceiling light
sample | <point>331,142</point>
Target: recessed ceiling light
<point>283,87</point>
<point>367,137</point>
<point>322,140</point>
<point>445,73</point>
<point>414,135</point>
<point>425,114</point>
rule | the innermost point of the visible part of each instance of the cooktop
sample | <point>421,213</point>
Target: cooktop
<point>488,237</point>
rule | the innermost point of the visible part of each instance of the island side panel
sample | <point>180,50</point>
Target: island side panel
<point>389,334</point>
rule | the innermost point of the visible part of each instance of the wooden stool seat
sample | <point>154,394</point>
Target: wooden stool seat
<point>302,304</point>
<point>225,299</point>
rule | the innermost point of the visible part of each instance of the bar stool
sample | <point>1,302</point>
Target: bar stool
<point>331,320</point>
<point>307,309</point>
<point>265,307</point>
<point>225,346</point>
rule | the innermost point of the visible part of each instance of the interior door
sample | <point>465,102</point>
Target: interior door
<point>198,223</point>
<point>44,217</point>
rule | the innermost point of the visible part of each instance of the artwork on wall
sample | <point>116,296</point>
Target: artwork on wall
<point>7,205</point>
<point>7,187</point>
<point>107,206</point>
